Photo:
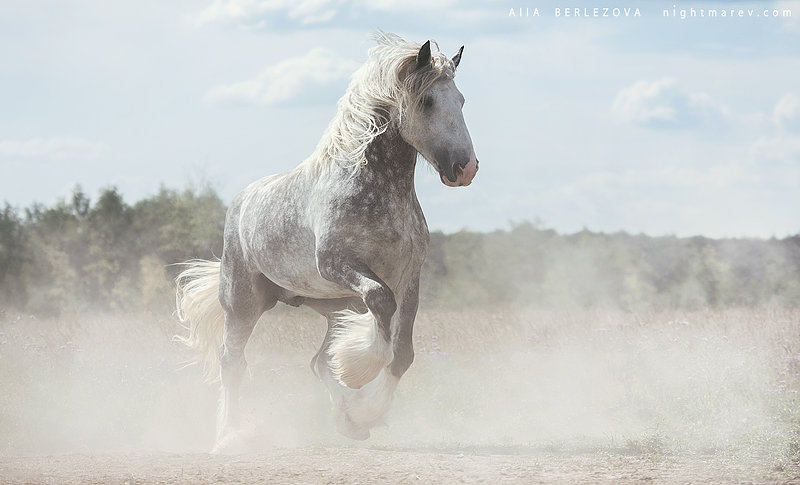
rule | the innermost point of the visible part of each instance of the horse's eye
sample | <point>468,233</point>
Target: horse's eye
<point>427,101</point>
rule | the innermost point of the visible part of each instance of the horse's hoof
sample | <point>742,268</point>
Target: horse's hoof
<point>355,433</point>
<point>352,431</point>
<point>233,442</point>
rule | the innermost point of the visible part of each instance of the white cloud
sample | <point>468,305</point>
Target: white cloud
<point>287,79</point>
<point>664,104</point>
<point>55,148</point>
<point>726,198</point>
<point>284,14</point>
<point>722,176</point>
<point>406,5</point>
<point>787,113</point>
<point>781,148</point>
<point>791,23</point>
<point>305,12</point>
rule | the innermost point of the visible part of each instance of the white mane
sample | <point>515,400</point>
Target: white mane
<point>387,83</point>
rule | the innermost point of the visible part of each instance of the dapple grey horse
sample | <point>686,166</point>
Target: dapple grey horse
<point>343,233</point>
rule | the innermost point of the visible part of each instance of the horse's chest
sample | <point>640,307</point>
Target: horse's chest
<point>399,248</point>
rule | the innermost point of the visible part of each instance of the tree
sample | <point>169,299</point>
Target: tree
<point>13,257</point>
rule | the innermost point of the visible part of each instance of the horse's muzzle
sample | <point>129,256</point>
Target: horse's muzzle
<point>464,174</point>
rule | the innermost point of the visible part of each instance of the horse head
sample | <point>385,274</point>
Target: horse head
<point>434,124</point>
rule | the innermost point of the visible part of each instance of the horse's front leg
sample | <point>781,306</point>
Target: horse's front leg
<point>357,411</point>
<point>403,330</point>
<point>365,408</point>
<point>360,344</point>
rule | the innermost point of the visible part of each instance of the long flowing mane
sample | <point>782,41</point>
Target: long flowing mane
<point>387,84</point>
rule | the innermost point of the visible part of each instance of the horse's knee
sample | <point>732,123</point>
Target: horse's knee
<point>381,301</point>
<point>403,358</point>
<point>243,298</point>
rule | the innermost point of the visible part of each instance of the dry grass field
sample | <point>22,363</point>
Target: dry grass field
<point>517,395</point>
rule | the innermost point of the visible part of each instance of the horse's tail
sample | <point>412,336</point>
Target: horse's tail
<point>199,310</point>
<point>358,352</point>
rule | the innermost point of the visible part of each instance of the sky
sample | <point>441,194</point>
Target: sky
<point>664,123</point>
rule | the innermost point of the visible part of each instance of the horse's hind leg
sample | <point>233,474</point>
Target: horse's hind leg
<point>244,298</point>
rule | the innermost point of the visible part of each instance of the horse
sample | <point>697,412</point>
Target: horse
<point>343,233</point>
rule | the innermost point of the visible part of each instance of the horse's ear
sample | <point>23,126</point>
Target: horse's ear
<point>457,57</point>
<point>424,55</point>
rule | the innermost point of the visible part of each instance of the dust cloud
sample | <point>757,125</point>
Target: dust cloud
<point>716,383</point>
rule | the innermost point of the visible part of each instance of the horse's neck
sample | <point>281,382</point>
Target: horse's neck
<point>391,159</point>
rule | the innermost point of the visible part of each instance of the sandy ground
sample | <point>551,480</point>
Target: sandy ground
<point>582,397</point>
<point>348,465</point>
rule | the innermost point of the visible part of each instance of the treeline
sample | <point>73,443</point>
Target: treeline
<point>106,254</point>
<point>538,267</point>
